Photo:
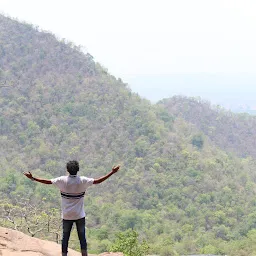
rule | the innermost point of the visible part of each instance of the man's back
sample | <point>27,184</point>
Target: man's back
<point>72,189</point>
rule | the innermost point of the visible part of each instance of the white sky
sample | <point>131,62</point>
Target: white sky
<point>152,37</point>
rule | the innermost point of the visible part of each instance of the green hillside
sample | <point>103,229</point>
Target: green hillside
<point>231,132</point>
<point>176,188</point>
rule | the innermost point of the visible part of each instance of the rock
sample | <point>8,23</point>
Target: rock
<point>15,243</point>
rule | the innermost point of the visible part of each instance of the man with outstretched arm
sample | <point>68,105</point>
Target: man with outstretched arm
<point>72,189</point>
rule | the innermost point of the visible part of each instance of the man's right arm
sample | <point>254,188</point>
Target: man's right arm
<point>29,175</point>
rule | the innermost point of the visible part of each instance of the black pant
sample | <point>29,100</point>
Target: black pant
<point>80,227</point>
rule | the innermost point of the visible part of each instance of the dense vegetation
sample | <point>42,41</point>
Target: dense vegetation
<point>231,132</point>
<point>177,189</point>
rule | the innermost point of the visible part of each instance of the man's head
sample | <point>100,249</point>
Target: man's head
<point>73,167</point>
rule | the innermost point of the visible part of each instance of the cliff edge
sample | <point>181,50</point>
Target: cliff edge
<point>15,243</point>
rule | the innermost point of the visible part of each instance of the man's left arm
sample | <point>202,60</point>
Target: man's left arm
<point>101,179</point>
<point>30,176</point>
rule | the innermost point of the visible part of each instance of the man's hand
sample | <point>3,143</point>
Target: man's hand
<point>28,174</point>
<point>115,168</point>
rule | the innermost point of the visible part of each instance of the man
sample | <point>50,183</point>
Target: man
<point>72,189</point>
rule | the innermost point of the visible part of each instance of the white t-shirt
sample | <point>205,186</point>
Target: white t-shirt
<point>72,189</point>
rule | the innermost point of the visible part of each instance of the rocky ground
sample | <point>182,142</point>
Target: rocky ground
<point>14,243</point>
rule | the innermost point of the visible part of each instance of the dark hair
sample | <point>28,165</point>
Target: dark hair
<point>73,167</point>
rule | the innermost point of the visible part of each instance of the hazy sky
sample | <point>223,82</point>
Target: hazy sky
<point>145,38</point>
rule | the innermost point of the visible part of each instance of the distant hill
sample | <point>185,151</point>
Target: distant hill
<point>180,191</point>
<point>233,91</point>
<point>230,131</point>
<point>245,109</point>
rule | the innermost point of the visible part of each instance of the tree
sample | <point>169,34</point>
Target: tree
<point>128,243</point>
<point>198,141</point>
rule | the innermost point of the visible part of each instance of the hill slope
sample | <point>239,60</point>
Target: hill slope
<point>57,104</point>
<point>231,132</point>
